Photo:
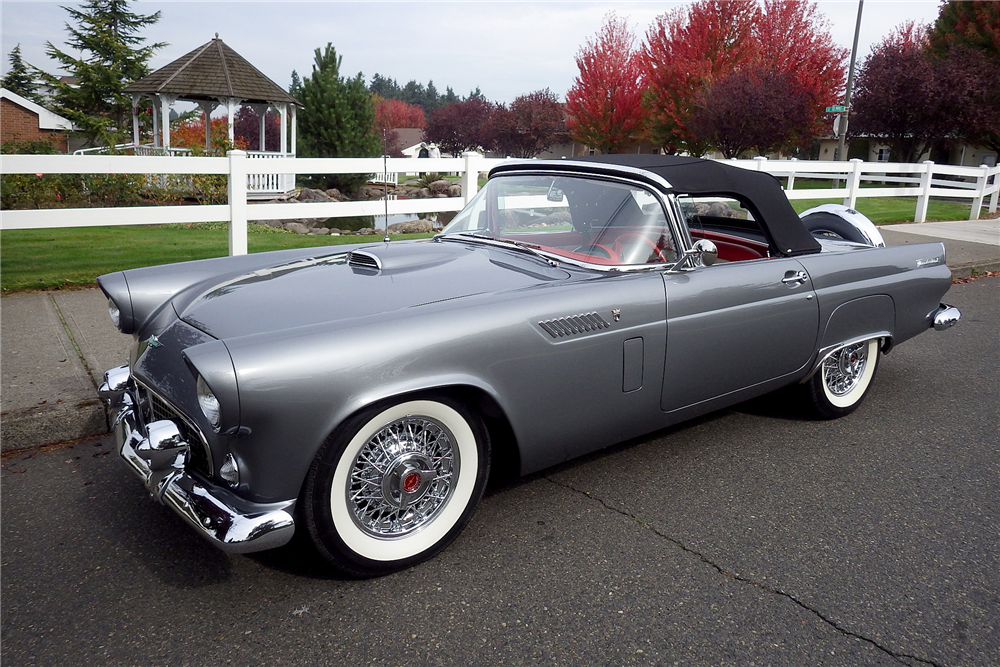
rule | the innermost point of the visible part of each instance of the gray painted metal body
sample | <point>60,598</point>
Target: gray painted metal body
<point>293,343</point>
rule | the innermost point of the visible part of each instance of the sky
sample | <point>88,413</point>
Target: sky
<point>504,48</point>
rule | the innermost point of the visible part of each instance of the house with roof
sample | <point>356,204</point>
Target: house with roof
<point>24,120</point>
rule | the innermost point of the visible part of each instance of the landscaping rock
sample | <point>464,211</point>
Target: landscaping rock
<point>297,227</point>
<point>455,191</point>
<point>440,187</point>
<point>412,227</point>
<point>309,195</point>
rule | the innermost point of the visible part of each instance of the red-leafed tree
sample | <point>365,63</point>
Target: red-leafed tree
<point>459,127</point>
<point>394,114</point>
<point>689,51</point>
<point>604,106</point>
<point>530,125</point>
<point>965,44</point>
<point>191,134</point>
<point>898,96</point>
<point>247,129</point>
<point>686,50</point>
<point>761,109</point>
<point>970,23</point>
<point>794,39</point>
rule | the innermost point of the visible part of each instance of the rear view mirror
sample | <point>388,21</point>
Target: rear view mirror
<point>554,194</point>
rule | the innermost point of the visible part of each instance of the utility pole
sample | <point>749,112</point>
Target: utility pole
<point>842,128</point>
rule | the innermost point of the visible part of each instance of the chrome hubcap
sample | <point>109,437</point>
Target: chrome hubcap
<point>402,477</point>
<point>843,369</point>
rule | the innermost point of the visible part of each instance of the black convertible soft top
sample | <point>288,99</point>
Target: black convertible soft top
<point>759,191</point>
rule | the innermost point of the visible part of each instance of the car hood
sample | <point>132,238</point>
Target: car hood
<point>338,286</point>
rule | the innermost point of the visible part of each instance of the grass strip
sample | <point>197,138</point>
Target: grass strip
<point>74,257</point>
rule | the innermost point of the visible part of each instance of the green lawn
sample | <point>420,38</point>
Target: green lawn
<point>51,258</point>
<point>885,210</point>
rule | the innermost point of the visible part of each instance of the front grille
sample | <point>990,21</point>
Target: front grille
<point>154,408</point>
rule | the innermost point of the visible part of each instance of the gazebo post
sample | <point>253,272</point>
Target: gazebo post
<point>156,125</point>
<point>283,111</point>
<point>207,108</point>
<point>135,120</point>
<point>294,128</point>
<point>231,104</point>
<point>165,102</point>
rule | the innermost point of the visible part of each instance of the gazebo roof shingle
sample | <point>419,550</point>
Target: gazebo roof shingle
<point>211,71</point>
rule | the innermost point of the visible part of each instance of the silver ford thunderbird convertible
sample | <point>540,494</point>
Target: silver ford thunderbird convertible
<point>360,394</point>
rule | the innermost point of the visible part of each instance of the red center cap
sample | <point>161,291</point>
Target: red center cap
<point>411,482</point>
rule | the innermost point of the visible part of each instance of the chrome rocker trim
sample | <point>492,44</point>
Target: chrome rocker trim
<point>946,317</point>
<point>158,454</point>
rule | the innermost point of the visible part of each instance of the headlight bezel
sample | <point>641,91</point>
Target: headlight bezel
<point>209,403</point>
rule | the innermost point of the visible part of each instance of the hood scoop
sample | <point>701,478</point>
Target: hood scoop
<point>363,260</point>
<point>402,258</point>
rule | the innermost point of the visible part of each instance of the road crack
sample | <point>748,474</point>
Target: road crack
<point>899,657</point>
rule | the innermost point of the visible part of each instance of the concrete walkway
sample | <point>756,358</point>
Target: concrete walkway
<point>55,346</point>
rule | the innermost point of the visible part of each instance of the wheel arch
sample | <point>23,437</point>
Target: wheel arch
<point>505,454</point>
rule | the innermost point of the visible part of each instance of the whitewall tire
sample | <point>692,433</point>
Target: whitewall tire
<point>396,485</point>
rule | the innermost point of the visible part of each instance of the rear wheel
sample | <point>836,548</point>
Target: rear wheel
<point>396,485</point>
<point>840,384</point>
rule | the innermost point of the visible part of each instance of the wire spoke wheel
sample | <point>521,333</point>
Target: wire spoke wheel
<point>395,485</point>
<point>839,385</point>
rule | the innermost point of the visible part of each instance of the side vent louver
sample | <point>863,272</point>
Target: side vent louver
<point>575,324</point>
<point>363,260</point>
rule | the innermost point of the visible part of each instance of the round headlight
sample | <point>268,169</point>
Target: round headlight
<point>115,313</point>
<point>209,404</point>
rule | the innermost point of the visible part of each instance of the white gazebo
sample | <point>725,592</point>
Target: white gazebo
<point>213,75</point>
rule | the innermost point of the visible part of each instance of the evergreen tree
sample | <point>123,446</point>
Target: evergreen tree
<point>19,79</point>
<point>338,117</point>
<point>112,56</point>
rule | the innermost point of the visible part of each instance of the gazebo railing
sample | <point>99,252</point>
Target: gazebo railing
<point>266,186</point>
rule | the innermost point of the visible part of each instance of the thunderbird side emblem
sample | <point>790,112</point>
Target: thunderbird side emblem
<point>617,314</point>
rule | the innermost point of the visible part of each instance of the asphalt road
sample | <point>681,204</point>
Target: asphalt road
<point>750,537</point>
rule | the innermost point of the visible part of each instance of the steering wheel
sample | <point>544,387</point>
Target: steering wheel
<point>627,252</point>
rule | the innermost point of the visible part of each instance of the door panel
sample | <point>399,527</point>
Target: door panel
<point>734,325</point>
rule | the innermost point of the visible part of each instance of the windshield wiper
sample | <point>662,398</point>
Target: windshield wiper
<point>508,243</point>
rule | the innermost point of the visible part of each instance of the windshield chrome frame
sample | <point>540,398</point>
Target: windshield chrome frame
<point>667,203</point>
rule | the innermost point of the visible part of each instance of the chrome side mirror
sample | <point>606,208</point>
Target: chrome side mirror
<point>707,250</point>
<point>703,250</point>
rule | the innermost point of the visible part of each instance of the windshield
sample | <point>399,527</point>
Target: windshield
<point>583,219</point>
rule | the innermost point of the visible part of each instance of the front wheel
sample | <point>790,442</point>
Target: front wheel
<point>396,485</point>
<point>838,387</point>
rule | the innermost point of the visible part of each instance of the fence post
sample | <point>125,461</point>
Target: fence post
<point>924,198</point>
<point>470,179</point>
<point>977,201</point>
<point>791,177</point>
<point>996,193</point>
<point>853,183</point>
<point>760,160</point>
<point>237,202</point>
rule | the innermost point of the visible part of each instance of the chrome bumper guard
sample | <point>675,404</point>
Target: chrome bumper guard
<point>946,316</point>
<point>158,454</point>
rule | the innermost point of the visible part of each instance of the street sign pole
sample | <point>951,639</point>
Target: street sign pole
<point>842,126</point>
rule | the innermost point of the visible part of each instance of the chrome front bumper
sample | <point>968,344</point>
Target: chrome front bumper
<point>158,453</point>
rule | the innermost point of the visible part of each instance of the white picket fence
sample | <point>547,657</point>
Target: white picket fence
<point>922,181</point>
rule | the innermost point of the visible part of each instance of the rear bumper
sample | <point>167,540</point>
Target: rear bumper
<point>158,453</point>
<point>946,316</point>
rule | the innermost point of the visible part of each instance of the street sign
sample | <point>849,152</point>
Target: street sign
<point>837,108</point>
<point>836,125</point>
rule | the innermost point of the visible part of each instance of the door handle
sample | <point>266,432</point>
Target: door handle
<point>795,278</point>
